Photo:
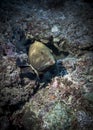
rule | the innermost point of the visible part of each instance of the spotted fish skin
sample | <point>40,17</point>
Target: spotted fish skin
<point>40,56</point>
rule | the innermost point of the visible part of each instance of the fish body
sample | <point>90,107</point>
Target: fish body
<point>40,57</point>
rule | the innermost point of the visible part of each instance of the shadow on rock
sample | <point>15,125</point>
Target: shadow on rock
<point>25,72</point>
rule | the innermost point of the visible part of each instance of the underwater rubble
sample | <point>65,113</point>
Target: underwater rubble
<point>63,97</point>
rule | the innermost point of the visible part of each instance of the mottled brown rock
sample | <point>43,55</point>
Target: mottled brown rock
<point>40,57</point>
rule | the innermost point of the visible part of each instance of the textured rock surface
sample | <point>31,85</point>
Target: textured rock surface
<point>40,57</point>
<point>64,99</point>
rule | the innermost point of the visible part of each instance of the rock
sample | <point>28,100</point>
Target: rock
<point>88,87</point>
<point>45,41</point>
<point>4,123</point>
<point>29,36</point>
<point>14,88</point>
<point>89,97</point>
<point>56,39</point>
<point>70,64</point>
<point>40,57</point>
<point>51,3</point>
<point>31,121</point>
<point>84,120</point>
<point>55,30</point>
<point>56,117</point>
<point>62,95</point>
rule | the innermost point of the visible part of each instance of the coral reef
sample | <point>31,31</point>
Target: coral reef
<point>63,99</point>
